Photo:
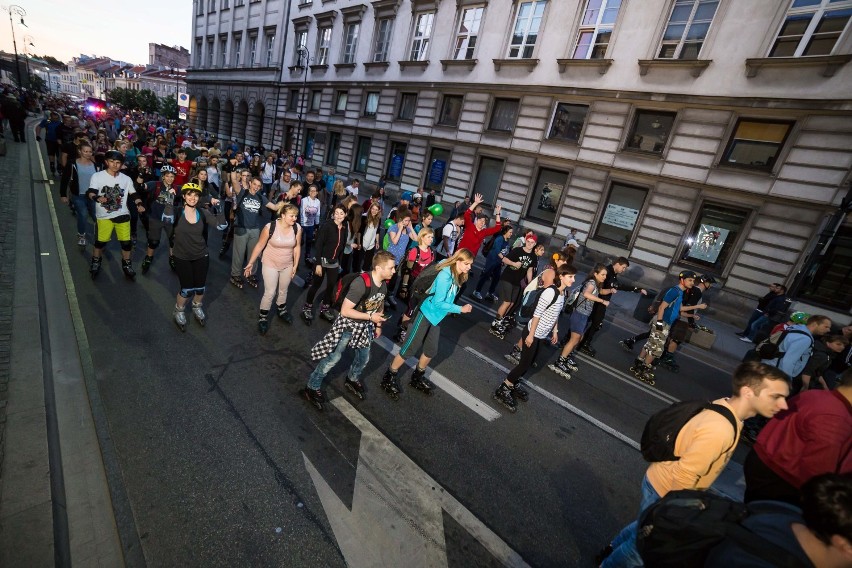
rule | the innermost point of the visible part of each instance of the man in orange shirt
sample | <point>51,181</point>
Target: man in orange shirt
<point>704,446</point>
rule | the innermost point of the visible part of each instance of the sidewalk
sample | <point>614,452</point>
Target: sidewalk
<point>55,503</point>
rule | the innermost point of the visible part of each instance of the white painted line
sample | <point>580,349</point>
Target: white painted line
<point>564,404</point>
<point>445,384</point>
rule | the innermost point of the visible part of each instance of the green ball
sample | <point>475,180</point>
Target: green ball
<point>436,209</point>
<point>389,223</point>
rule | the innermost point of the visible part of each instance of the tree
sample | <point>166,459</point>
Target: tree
<point>38,84</point>
<point>147,101</point>
<point>118,96</point>
<point>52,61</point>
<point>169,107</point>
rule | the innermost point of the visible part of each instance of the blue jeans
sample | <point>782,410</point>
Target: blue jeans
<point>624,553</point>
<point>491,270</point>
<point>82,203</point>
<point>756,325</point>
<point>362,357</point>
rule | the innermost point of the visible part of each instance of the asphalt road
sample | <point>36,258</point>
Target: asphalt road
<point>224,464</point>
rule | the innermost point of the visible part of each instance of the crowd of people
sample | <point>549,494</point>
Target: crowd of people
<point>367,256</point>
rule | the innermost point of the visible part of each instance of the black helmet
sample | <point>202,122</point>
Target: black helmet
<point>687,274</point>
<point>707,279</point>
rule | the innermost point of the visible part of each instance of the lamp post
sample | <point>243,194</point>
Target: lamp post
<point>303,52</point>
<point>18,11</point>
<point>28,43</point>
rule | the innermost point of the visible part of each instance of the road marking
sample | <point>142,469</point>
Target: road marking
<point>397,510</point>
<point>445,384</point>
<point>564,404</point>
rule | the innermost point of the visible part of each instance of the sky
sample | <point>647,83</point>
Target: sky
<point>119,29</point>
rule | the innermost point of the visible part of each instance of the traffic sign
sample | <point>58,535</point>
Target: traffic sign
<point>182,115</point>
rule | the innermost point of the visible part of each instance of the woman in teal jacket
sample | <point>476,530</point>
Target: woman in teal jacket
<point>424,332</point>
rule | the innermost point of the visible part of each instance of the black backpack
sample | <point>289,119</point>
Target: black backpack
<point>681,529</point>
<point>489,244</point>
<point>343,286</point>
<point>422,286</point>
<point>661,430</point>
<point>771,347</point>
<point>530,301</point>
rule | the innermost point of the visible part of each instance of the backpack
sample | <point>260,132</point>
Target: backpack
<point>530,302</point>
<point>422,286</point>
<point>489,244</point>
<point>575,297</point>
<point>682,528</point>
<point>275,222</point>
<point>771,348</point>
<point>662,429</point>
<point>343,286</point>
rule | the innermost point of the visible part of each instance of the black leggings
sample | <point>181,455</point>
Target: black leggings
<point>330,275</point>
<point>528,355</point>
<point>192,275</point>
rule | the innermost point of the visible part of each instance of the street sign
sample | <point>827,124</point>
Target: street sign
<point>182,115</point>
<point>183,99</point>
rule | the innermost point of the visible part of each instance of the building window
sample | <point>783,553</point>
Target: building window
<point>362,154</point>
<point>421,34</point>
<point>238,46</point>
<point>828,275</point>
<point>436,175</point>
<point>350,43</point>
<point>407,106</point>
<point>211,6</point>
<point>340,102</point>
<point>503,115</point>
<point>316,100</point>
<point>199,9</point>
<point>301,41</point>
<point>252,50</point>
<point>450,110</point>
<point>198,59</point>
<point>310,140</point>
<point>812,27</point>
<point>293,100</point>
<point>546,195</point>
<point>596,28</point>
<point>468,32</point>
<point>384,26</point>
<point>755,143</point>
<point>270,41</point>
<point>526,28</point>
<point>238,3</point>
<point>223,51</point>
<point>488,178</point>
<point>225,4</point>
<point>651,130</point>
<point>568,122</point>
<point>710,243</point>
<point>332,149</point>
<point>396,160</point>
<point>210,53</point>
<point>621,214</point>
<point>371,105</point>
<point>323,45</point>
<point>687,28</point>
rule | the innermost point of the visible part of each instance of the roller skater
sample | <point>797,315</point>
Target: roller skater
<point>279,244</point>
<point>356,387</point>
<point>249,220</point>
<point>425,332</point>
<point>543,325</point>
<point>263,322</point>
<point>667,313</point>
<point>689,306</point>
<point>588,296</point>
<point>498,328</point>
<point>127,268</point>
<point>314,396</point>
<point>331,241</point>
<point>416,260</point>
<point>390,384</point>
<point>192,257</point>
<point>111,191</point>
<point>162,201</point>
<point>519,263</point>
<point>180,317</point>
<point>361,318</point>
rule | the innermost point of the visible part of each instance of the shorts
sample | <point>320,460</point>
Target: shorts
<point>106,226</point>
<point>52,148</point>
<point>678,331</point>
<point>508,292</point>
<point>657,339</point>
<point>577,322</point>
<point>192,274</point>
<point>422,333</point>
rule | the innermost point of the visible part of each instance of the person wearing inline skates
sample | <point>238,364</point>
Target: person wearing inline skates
<point>279,242</point>
<point>521,264</point>
<point>691,303</point>
<point>589,296</point>
<point>111,191</point>
<point>249,205</point>
<point>543,324</point>
<point>667,313</point>
<point>331,240</point>
<point>76,176</point>
<point>425,331</point>
<point>192,259</point>
<point>162,200</point>
<point>360,320</point>
<point>416,259</point>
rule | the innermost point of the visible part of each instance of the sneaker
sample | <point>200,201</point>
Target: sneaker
<point>492,297</point>
<point>746,340</point>
<point>81,240</point>
<point>477,295</point>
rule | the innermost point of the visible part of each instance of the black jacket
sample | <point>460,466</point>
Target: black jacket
<point>70,178</point>
<point>331,241</point>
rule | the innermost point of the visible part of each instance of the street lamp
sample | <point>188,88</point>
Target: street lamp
<point>303,52</point>
<point>18,11</point>
<point>28,43</point>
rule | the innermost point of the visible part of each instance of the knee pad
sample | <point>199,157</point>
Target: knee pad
<point>200,291</point>
<point>100,245</point>
<point>185,292</point>
<point>126,246</point>
<point>153,245</point>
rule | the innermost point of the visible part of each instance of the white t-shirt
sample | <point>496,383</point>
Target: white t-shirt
<point>452,232</point>
<point>369,239</point>
<point>116,189</point>
<point>352,190</point>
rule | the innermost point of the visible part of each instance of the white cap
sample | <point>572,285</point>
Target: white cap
<point>572,243</point>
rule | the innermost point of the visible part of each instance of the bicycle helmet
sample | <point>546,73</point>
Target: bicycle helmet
<point>190,186</point>
<point>167,169</point>
<point>799,317</point>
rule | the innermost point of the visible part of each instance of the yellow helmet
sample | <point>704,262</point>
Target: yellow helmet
<point>187,187</point>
